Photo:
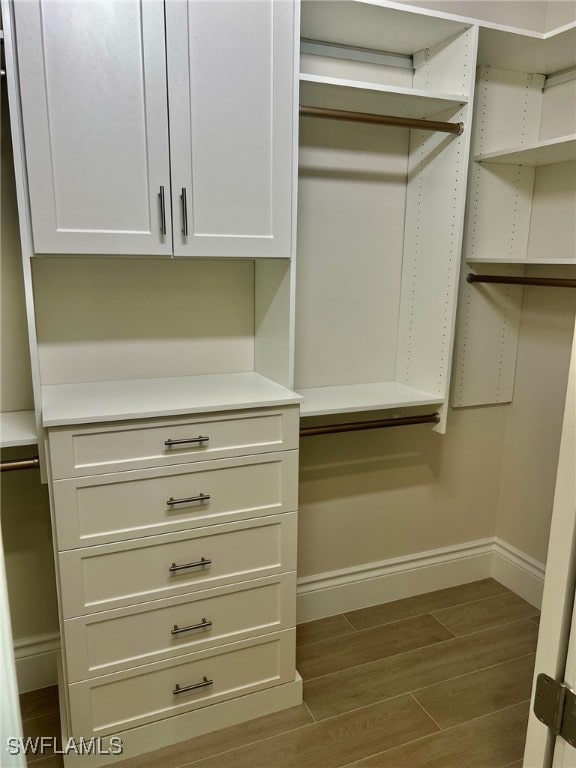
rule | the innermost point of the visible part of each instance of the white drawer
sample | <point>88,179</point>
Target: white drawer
<point>113,575</point>
<point>128,699</point>
<point>118,446</point>
<point>127,505</point>
<point>129,637</point>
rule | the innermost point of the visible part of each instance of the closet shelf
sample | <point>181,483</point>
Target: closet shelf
<point>358,96</point>
<point>17,428</point>
<point>525,51</point>
<point>381,26</point>
<point>542,262</point>
<point>350,398</point>
<point>100,401</point>
<point>558,150</point>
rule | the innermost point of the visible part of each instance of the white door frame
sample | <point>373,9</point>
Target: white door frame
<point>560,581</point>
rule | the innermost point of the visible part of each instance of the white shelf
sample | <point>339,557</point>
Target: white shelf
<point>559,150</point>
<point>17,428</point>
<point>322,401</point>
<point>541,262</point>
<point>525,51</point>
<point>378,25</point>
<point>64,404</point>
<point>357,96</point>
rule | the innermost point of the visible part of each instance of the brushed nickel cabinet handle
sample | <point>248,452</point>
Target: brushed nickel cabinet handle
<point>186,440</point>
<point>194,687</point>
<point>202,625</point>
<point>184,212</point>
<point>162,211</point>
<point>201,497</point>
<point>198,564</point>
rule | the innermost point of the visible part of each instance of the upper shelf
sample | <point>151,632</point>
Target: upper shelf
<point>380,26</point>
<point>350,398</point>
<point>99,401</point>
<point>17,428</point>
<point>397,28</point>
<point>357,96</point>
<point>558,150</point>
<point>525,51</point>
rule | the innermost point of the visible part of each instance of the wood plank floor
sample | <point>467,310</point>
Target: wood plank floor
<point>436,681</point>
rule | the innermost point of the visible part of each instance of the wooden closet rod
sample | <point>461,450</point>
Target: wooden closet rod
<point>360,426</point>
<point>12,465</point>
<point>365,117</point>
<point>551,282</point>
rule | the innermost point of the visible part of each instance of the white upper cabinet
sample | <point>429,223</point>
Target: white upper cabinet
<point>231,95</point>
<point>94,105</point>
<point>96,77</point>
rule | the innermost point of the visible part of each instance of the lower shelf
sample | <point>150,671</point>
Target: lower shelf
<point>350,398</point>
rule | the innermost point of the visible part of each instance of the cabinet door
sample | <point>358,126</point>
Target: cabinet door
<point>231,93</point>
<point>94,104</point>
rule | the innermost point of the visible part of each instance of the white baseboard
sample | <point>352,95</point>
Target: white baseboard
<point>36,661</point>
<point>519,572</point>
<point>349,589</point>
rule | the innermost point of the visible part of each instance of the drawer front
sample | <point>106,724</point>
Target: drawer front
<point>113,575</point>
<point>128,699</point>
<point>127,505</point>
<point>128,637</point>
<point>102,448</point>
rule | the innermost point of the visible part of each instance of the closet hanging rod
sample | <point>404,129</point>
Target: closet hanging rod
<point>551,282</point>
<point>365,117</point>
<point>12,465</point>
<point>360,426</point>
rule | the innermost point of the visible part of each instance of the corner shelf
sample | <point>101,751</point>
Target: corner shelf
<point>525,51</point>
<point>557,150</point>
<point>351,398</point>
<point>17,428</point>
<point>358,96</point>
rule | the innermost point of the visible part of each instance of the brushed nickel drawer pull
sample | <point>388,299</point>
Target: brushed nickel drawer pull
<point>162,211</point>
<point>203,561</point>
<point>201,497</point>
<point>204,684</point>
<point>199,439</point>
<point>203,625</point>
<point>184,212</point>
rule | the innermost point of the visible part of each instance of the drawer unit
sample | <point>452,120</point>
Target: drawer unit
<point>139,635</point>
<point>125,700</point>
<point>136,571</point>
<point>121,506</point>
<point>118,446</point>
<point>176,559</point>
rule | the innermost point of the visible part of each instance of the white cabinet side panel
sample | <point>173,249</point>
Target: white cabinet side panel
<point>434,225</point>
<point>230,70</point>
<point>486,339</point>
<point>434,220</point>
<point>93,87</point>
